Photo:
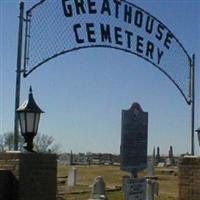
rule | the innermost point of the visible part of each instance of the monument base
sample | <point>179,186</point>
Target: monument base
<point>189,178</point>
<point>35,175</point>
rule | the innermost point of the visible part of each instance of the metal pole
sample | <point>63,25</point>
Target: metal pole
<point>193,103</point>
<point>18,72</point>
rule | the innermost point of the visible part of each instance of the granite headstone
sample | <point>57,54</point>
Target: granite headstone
<point>134,133</point>
<point>98,189</point>
<point>152,189</point>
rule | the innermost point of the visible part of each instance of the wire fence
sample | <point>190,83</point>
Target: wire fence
<point>55,27</point>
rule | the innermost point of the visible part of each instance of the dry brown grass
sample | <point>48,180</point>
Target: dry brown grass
<point>112,177</point>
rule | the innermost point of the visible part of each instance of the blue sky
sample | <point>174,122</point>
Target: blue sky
<point>83,92</point>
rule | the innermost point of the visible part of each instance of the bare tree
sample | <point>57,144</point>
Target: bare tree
<point>1,144</point>
<point>42,143</point>
<point>8,141</point>
<point>45,143</point>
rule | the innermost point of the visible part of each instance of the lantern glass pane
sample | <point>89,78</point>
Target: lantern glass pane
<point>199,138</point>
<point>37,119</point>
<point>30,117</point>
<point>22,122</point>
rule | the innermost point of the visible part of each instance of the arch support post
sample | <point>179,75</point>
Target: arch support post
<point>192,66</point>
<point>18,72</point>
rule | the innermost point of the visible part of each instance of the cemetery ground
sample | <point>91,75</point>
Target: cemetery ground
<point>167,178</point>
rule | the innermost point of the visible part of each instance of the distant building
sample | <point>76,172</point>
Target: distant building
<point>89,159</point>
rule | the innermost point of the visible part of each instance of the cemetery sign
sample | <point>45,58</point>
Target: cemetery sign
<point>57,27</point>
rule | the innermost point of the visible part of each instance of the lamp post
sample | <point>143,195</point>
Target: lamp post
<point>29,117</point>
<point>198,134</point>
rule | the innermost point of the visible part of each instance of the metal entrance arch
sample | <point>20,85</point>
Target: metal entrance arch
<point>53,28</point>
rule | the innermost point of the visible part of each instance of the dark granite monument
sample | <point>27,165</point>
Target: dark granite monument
<point>134,136</point>
<point>158,158</point>
<point>171,156</point>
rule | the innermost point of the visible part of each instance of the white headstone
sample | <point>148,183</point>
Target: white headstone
<point>168,162</point>
<point>161,164</point>
<point>150,168</point>
<point>71,177</point>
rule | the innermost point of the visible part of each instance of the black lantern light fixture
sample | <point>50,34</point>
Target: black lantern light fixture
<point>29,117</point>
<point>198,134</point>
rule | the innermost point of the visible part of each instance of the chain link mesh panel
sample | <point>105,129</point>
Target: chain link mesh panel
<point>55,27</point>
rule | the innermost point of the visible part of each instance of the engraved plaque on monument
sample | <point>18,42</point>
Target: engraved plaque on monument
<point>134,130</point>
<point>134,188</point>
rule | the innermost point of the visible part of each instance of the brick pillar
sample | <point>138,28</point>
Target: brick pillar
<point>36,174</point>
<point>189,178</point>
<point>7,185</point>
